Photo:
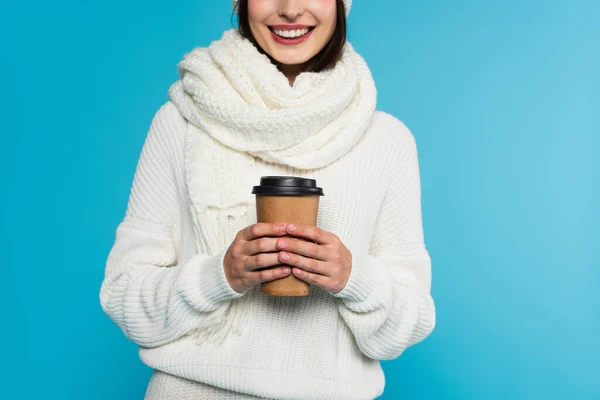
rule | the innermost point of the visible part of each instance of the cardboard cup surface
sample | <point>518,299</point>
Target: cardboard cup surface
<point>287,209</point>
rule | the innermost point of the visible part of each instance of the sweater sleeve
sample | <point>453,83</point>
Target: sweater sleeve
<point>386,302</point>
<point>147,291</point>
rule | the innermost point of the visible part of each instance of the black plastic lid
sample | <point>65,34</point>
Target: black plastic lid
<point>287,186</point>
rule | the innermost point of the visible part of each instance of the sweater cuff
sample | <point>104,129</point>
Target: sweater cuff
<point>212,282</point>
<point>369,283</point>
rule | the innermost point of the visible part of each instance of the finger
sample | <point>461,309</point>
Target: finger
<point>260,245</point>
<point>261,229</point>
<point>305,263</point>
<point>311,232</point>
<point>269,274</point>
<point>261,260</point>
<point>312,278</point>
<point>302,247</point>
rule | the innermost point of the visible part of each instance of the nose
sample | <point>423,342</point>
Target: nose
<point>291,9</point>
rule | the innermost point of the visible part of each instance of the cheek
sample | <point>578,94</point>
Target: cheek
<point>257,13</point>
<point>324,11</point>
<point>322,8</point>
<point>258,10</point>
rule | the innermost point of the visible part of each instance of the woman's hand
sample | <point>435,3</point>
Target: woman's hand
<point>250,252</point>
<point>325,263</point>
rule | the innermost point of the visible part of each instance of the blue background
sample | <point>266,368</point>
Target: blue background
<point>503,98</point>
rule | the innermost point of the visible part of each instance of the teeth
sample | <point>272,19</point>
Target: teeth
<point>290,34</point>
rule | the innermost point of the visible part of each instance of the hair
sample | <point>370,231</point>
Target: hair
<point>325,59</point>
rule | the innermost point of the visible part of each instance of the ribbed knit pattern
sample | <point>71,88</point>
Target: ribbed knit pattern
<point>165,284</point>
<point>163,386</point>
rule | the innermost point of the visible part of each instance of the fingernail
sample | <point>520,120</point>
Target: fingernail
<point>285,256</point>
<point>292,227</point>
<point>283,245</point>
<point>283,227</point>
<point>285,270</point>
<point>297,271</point>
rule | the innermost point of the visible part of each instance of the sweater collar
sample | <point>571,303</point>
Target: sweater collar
<point>235,94</point>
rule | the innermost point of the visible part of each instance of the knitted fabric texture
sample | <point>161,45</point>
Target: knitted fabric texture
<point>163,386</point>
<point>235,94</point>
<point>232,118</point>
<point>165,285</point>
<point>347,6</point>
<point>241,107</point>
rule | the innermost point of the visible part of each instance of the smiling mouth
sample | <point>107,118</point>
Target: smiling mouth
<point>291,33</point>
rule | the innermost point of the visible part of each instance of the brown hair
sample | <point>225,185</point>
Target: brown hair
<point>325,59</point>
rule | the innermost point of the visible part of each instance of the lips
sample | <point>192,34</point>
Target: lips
<point>290,28</point>
<point>291,41</point>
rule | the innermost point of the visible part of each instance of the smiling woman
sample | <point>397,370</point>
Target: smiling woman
<point>286,95</point>
<point>305,36</point>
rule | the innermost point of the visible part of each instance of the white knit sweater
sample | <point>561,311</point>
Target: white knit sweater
<point>165,285</point>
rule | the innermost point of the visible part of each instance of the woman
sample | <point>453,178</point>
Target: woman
<point>284,96</point>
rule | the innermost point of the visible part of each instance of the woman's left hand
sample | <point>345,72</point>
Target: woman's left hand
<point>326,262</point>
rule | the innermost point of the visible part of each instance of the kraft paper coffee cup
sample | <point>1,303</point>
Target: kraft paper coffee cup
<point>287,199</point>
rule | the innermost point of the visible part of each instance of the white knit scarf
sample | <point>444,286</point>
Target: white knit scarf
<point>240,107</point>
<point>235,94</point>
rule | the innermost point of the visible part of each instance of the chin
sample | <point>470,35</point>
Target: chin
<point>292,56</point>
<point>291,60</point>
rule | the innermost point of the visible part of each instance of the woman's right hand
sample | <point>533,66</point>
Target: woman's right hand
<point>253,249</point>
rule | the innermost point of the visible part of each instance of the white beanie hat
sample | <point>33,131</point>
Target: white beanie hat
<point>347,5</point>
